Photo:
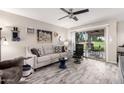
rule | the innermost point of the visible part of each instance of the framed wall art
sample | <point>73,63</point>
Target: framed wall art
<point>44,36</point>
<point>30,30</point>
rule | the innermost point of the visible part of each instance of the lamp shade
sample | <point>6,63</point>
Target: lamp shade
<point>66,43</point>
<point>5,43</point>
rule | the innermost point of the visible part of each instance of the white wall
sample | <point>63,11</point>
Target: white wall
<point>120,33</point>
<point>15,49</point>
<point>111,36</point>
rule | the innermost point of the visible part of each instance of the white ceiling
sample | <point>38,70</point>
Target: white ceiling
<point>51,15</point>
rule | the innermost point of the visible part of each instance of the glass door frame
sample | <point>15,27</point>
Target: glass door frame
<point>105,37</point>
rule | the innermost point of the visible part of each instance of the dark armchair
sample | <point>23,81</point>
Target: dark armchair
<point>78,53</point>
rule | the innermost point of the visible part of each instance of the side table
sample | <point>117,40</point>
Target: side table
<point>62,62</point>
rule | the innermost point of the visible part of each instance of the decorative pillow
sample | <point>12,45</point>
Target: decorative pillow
<point>41,51</point>
<point>63,48</point>
<point>48,49</point>
<point>35,52</point>
<point>58,49</point>
<point>51,49</point>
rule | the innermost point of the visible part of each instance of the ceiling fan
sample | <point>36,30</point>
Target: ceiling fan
<point>72,14</point>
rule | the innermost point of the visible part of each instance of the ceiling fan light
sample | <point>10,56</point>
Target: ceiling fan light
<point>71,13</point>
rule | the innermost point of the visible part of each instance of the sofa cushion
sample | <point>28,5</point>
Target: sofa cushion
<point>48,49</point>
<point>35,52</point>
<point>41,51</point>
<point>55,55</point>
<point>44,58</point>
<point>63,54</point>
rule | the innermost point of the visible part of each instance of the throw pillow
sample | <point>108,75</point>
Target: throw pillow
<point>48,49</point>
<point>35,52</point>
<point>51,49</point>
<point>58,49</point>
<point>41,51</point>
<point>63,48</point>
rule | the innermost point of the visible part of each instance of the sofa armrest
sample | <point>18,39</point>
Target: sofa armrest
<point>31,55</point>
<point>35,58</point>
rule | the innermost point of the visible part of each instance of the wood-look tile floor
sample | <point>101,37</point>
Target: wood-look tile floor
<point>88,72</point>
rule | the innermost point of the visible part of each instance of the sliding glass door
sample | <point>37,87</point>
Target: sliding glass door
<point>94,43</point>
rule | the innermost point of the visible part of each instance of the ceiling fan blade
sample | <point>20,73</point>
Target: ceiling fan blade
<point>81,11</point>
<point>75,18</point>
<point>65,10</point>
<point>63,17</point>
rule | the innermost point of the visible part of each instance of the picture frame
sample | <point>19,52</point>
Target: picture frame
<point>44,36</point>
<point>55,34</point>
<point>30,30</point>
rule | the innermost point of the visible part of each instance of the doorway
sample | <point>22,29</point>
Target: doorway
<point>94,43</point>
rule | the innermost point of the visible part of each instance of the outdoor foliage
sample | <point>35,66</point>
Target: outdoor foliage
<point>97,41</point>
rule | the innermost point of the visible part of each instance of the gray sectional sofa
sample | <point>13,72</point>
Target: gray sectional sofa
<point>46,57</point>
<point>11,70</point>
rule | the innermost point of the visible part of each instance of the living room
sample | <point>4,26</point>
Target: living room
<point>25,30</point>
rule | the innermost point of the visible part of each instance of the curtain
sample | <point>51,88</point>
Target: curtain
<point>72,41</point>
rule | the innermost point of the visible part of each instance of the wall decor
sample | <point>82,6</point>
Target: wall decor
<point>15,34</point>
<point>30,30</point>
<point>55,34</point>
<point>44,36</point>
